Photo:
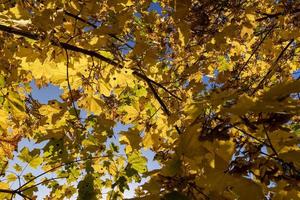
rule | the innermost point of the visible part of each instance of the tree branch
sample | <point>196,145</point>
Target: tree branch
<point>274,15</point>
<point>163,105</point>
<point>157,97</point>
<point>272,67</point>
<point>69,87</point>
<point>269,141</point>
<point>45,181</point>
<point>251,136</point>
<point>58,44</point>
<point>7,191</point>
<point>19,32</point>
<point>154,82</point>
<point>13,192</point>
<point>254,51</point>
<point>70,47</point>
<point>94,26</point>
<point>23,195</point>
<point>61,165</point>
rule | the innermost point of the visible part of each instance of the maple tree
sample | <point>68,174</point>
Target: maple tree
<point>210,86</point>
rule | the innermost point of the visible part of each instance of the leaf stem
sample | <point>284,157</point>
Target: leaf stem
<point>69,86</point>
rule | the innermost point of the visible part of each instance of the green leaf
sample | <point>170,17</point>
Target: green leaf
<point>24,155</point>
<point>11,177</point>
<point>138,162</point>
<point>35,162</point>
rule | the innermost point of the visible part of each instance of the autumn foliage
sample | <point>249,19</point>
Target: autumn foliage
<point>210,86</point>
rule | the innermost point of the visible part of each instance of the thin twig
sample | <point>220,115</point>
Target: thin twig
<point>12,196</point>
<point>199,190</point>
<point>23,195</point>
<point>268,145</point>
<point>95,26</point>
<point>251,136</point>
<point>69,87</point>
<point>45,181</point>
<point>269,141</point>
<point>159,99</point>
<point>61,165</point>
<point>272,67</point>
<point>274,15</point>
<point>156,83</point>
<point>254,51</point>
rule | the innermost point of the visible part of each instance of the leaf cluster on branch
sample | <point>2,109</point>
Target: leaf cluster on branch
<point>211,87</point>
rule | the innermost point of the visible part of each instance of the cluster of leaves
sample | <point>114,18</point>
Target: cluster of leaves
<point>210,86</point>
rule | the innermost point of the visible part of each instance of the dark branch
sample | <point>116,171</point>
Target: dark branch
<point>70,47</point>
<point>42,182</point>
<point>19,32</point>
<point>69,87</point>
<point>269,141</point>
<point>80,19</point>
<point>58,44</point>
<point>7,191</point>
<point>254,51</point>
<point>157,97</point>
<point>61,165</point>
<point>251,136</point>
<point>267,76</point>
<point>163,105</point>
<point>154,82</point>
<point>85,51</point>
<point>94,26</point>
<point>13,192</point>
<point>275,15</point>
<point>23,195</point>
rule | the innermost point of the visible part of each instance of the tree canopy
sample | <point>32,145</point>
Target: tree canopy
<point>210,86</point>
